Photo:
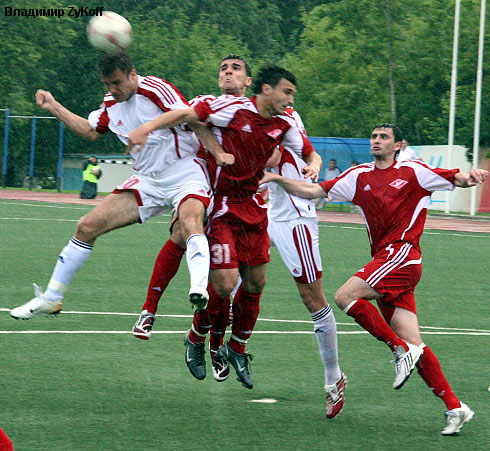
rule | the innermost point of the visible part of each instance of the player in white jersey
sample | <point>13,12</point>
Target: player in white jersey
<point>393,197</point>
<point>157,186</point>
<point>293,230</point>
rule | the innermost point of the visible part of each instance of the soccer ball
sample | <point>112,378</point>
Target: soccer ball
<point>109,32</point>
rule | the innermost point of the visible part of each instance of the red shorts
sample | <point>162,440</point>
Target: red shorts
<point>394,272</point>
<point>237,233</point>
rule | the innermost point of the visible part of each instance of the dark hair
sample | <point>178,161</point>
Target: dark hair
<point>396,133</point>
<point>271,75</point>
<point>232,56</point>
<point>108,64</point>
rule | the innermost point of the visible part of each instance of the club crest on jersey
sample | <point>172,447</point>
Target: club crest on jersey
<point>398,183</point>
<point>119,123</point>
<point>274,134</point>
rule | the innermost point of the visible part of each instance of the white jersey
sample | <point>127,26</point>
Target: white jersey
<point>282,205</point>
<point>153,97</point>
<point>407,154</point>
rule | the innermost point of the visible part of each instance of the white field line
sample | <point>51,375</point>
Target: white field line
<point>437,330</point>
<point>333,226</point>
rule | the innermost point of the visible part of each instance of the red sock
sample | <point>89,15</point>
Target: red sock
<point>165,268</point>
<point>366,315</point>
<point>246,307</point>
<point>220,323</point>
<point>430,370</point>
<point>202,321</point>
<point>5,442</point>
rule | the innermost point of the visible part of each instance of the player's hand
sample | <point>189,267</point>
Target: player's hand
<point>44,99</point>
<point>477,176</point>
<point>312,172</point>
<point>137,139</point>
<point>224,159</point>
<point>268,177</point>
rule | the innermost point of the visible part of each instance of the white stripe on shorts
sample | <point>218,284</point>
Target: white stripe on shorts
<point>390,265</point>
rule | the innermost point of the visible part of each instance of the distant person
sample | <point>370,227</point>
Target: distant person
<point>354,163</point>
<point>91,174</point>
<point>330,173</point>
<point>407,153</point>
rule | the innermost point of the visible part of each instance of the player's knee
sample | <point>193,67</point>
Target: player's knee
<point>342,298</point>
<point>86,229</point>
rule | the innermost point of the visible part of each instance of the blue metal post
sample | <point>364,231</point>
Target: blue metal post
<point>33,146</point>
<point>60,156</point>
<point>5,147</point>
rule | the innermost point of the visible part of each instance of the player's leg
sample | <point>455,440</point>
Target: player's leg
<point>191,217</point>
<point>115,211</point>
<point>405,324</point>
<point>221,283</point>
<point>165,267</point>
<point>246,307</point>
<point>326,336</point>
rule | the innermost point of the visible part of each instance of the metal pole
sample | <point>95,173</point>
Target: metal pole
<point>33,146</point>
<point>5,147</point>
<point>479,74</point>
<point>60,157</point>
<point>452,106</point>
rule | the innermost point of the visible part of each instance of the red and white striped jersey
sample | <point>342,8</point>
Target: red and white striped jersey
<point>153,97</point>
<point>393,201</point>
<point>282,205</point>
<point>251,138</point>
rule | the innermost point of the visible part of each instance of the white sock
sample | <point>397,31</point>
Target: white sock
<point>71,259</point>
<point>197,256</point>
<point>326,337</point>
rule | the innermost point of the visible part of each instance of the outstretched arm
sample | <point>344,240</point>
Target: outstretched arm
<point>139,135</point>
<point>76,124</point>
<point>298,188</point>
<point>467,180</point>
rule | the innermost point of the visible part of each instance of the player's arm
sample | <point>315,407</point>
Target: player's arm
<point>75,123</point>
<point>298,188</point>
<point>274,159</point>
<point>467,180</point>
<point>314,165</point>
<point>139,135</point>
<point>209,141</point>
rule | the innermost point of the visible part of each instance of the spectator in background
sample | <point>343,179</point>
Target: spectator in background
<point>91,173</point>
<point>330,173</point>
<point>354,163</point>
<point>407,153</point>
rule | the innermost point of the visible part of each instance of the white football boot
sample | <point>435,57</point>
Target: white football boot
<point>36,306</point>
<point>456,418</point>
<point>405,363</point>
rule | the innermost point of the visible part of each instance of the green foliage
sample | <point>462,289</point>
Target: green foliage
<point>339,51</point>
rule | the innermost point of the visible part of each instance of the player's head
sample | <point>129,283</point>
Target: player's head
<point>276,86</point>
<point>118,75</point>
<point>386,140</point>
<point>93,159</point>
<point>332,163</point>
<point>235,75</point>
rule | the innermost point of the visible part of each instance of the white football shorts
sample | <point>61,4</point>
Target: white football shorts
<point>298,244</point>
<point>159,193</point>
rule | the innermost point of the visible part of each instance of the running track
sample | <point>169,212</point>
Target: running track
<point>433,222</point>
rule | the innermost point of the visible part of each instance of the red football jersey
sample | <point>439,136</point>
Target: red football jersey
<point>393,201</point>
<point>251,138</point>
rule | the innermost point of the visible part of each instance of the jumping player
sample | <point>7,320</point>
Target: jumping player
<point>156,187</point>
<point>250,129</point>
<point>393,196</point>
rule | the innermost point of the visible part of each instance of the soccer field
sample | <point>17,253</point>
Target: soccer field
<point>81,381</point>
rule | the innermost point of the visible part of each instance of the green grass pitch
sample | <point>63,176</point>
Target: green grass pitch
<point>83,382</point>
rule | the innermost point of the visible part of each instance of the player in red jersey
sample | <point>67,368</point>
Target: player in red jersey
<point>249,129</point>
<point>393,197</point>
<point>156,187</point>
<point>234,79</point>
